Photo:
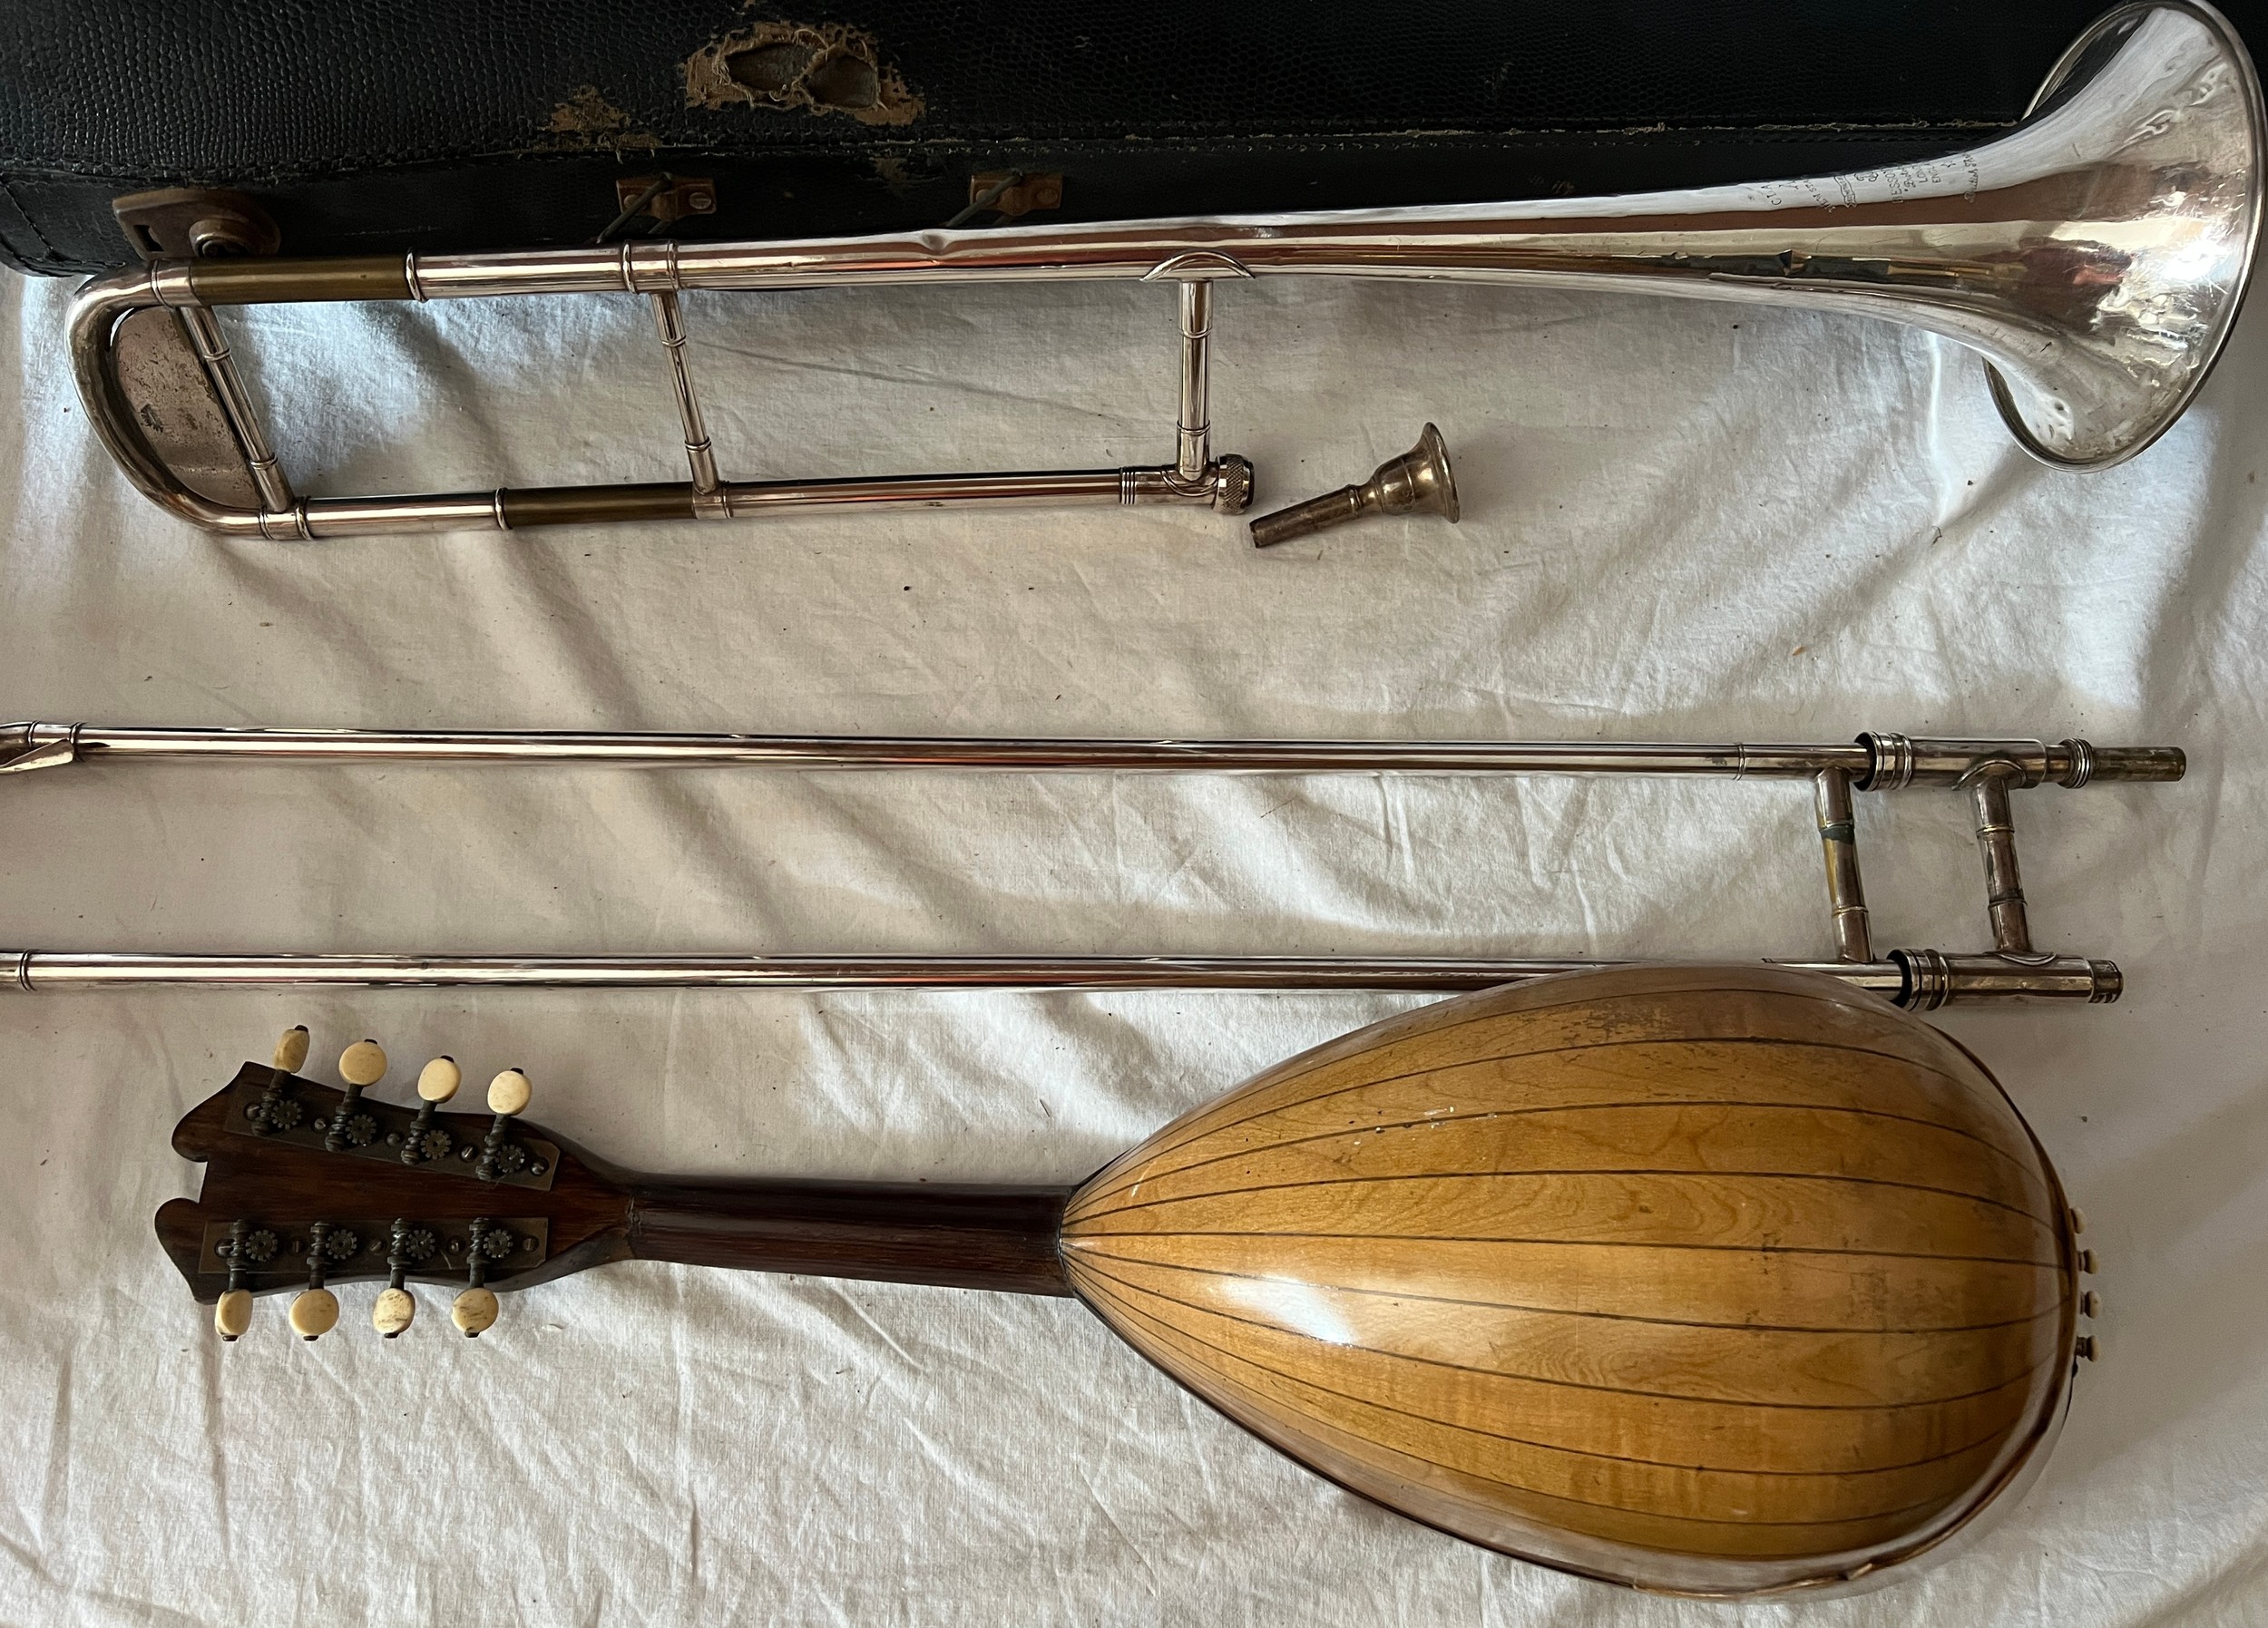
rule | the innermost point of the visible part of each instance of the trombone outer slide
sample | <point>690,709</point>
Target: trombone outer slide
<point>1921,980</point>
<point>1916,980</point>
<point>1875,761</point>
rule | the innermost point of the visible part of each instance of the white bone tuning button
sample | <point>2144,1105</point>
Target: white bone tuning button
<point>509,1092</point>
<point>314,1313</point>
<point>233,1313</point>
<point>437,1081</point>
<point>394,1310</point>
<point>291,1049</point>
<point>363,1064</point>
<point>475,1310</point>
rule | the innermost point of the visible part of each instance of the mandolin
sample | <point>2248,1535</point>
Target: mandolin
<point>1720,1281</point>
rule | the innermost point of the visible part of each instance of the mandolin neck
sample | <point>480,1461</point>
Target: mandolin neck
<point>952,1236</point>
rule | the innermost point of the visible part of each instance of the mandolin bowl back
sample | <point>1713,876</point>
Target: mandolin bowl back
<point>1714,1281</point>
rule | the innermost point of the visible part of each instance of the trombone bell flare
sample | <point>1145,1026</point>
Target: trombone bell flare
<point>2096,256</point>
<point>2169,98</point>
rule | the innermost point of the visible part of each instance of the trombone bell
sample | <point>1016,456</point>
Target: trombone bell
<point>2114,318</point>
<point>2096,256</point>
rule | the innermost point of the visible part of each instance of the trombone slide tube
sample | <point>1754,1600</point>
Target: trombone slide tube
<point>1874,762</point>
<point>1921,980</point>
<point>512,509</point>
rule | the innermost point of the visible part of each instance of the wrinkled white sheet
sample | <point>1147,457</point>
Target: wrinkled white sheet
<point>1682,520</point>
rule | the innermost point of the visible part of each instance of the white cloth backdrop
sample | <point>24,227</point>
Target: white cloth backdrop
<point>1682,520</point>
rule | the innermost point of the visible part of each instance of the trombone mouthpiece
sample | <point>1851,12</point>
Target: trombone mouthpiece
<point>1416,483</point>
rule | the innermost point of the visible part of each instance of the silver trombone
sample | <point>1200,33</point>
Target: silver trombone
<point>2096,256</point>
<point>1987,770</point>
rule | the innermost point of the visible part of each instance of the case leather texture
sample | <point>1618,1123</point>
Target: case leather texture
<point>437,125</point>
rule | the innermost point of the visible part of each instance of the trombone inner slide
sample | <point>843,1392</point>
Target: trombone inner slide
<point>1919,980</point>
<point>1988,770</point>
<point>2096,256</point>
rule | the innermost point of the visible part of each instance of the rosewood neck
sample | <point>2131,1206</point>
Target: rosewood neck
<point>583,1211</point>
<point>960,1236</point>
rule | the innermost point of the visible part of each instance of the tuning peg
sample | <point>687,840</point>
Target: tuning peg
<point>361,1066</point>
<point>437,1083</point>
<point>274,1110</point>
<point>233,1313</point>
<point>291,1049</point>
<point>315,1311</point>
<point>475,1310</point>
<point>508,1093</point>
<point>395,1308</point>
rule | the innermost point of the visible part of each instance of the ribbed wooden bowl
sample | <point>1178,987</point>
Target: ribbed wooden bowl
<point>1714,1280</point>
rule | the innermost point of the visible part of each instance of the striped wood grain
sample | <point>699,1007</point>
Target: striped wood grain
<point>1716,1280</point>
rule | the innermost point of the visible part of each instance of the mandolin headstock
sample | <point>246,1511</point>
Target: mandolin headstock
<point>308,1186</point>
